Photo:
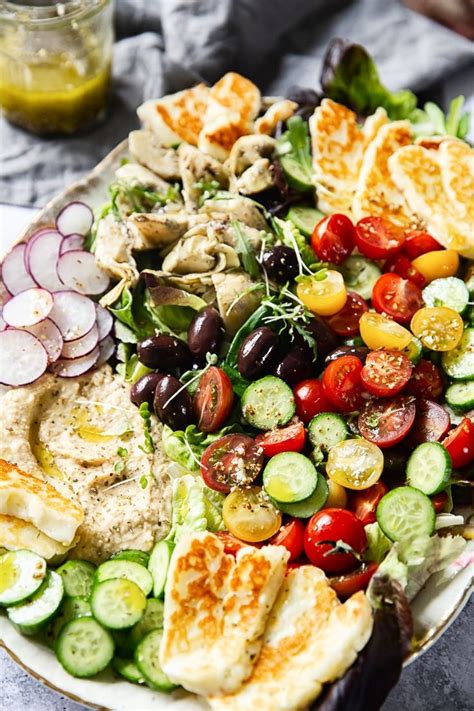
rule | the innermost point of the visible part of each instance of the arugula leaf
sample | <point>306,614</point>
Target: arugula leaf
<point>239,383</point>
<point>138,197</point>
<point>293,147</point>
<point>245,251</point>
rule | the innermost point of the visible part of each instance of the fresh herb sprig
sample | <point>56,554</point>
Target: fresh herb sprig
<point>144,412</point>
<point>245,251</point>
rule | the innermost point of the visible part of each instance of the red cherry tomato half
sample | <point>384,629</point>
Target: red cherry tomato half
<point>401,265</point>
<point>347,585</point>
<point>460,443</point>
<point>333,238</point>
<point>377,238</point>
<point>364,502</point>
<point>418,242</point>
<point>232,460</point>
<point>396,297</point>
<point>286,439</point>
<point>387,422</point>
<point>346,322</point>
<point>432,422</point>
<point>310,399</point>
<point>322,533</point>
<point>439,501</point>
<point>426,381</point>
<point>385,372</point>
<point>342,383</point>
<point>290,536</point>
<point>213,399</point>
<point>232,544</point>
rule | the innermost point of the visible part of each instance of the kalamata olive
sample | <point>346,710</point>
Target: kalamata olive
<point>326,339</point>
<point>144,389</point>
<point>294,367</point>
<point>360,352</point>
<point>164,352</point>
<point>257,353</point>
<point>280,263</point>
<point>205,333</point>
<point>177,411</point>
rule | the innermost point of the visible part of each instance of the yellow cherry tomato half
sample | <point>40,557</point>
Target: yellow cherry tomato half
<point>250,515</point>
<point>379,331</point>
<point>355,463</point>
<point>438,327</point>
<point>324,293</point>
<point>337,497</point>
<point>434,265</point>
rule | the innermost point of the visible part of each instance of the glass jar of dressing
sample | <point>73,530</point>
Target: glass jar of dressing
<point>55,63</point>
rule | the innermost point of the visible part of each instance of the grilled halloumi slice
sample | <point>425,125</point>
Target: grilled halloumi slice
<point>34,500</point>
<point>176,117</point>
<point>376,193</point>
<point>456,159</point>
<point>279,111</point>
<point>216,609</point>
<point>311,639</point>
<point>418,174</point>
<point>146,149</point>
<point>338,146</point>
<point>16,534</point>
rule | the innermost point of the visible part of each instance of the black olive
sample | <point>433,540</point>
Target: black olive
<point>205,333</point>
<point>144,389</point>
<point>326,339</point>
<point>294,367</point>
<point>165,353</point>
<point>360,352</point>
<point>177,412</point>
<point>257,353</point>
<point>280,263</point>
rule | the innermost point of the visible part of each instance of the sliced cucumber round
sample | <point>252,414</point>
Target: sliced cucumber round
<point>414,350</point>
<point>460,396</point>
<point>21,575</point>
<point>128,670</point>
<point>295,173</point>
<point>117,603</point>
<point>84,648</point>
<point>304,218</point>
<point>406,513</point>
<point>447,291</point>
<point>158,565</point>
<point>30,616</point>
<point>147,656</point>
<point>459,363</point>
<point>360,275</point>
<point>289,477</point>
<point>429,468</point>
<point>78,577</point>
<point>134,555</point>
<point>152,620</point>
<point>309,506</point>
<point>71,609</point>
<point>135,572</point>
<point>327,429</point>
<point>268,403</point>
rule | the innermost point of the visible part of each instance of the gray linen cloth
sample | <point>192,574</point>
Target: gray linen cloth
<point>167,45</point>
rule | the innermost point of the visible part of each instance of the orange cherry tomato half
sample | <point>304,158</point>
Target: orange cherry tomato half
<point>342,383</point>
<point>460,443</point>
<point>379,331</point>
<point>287,439</point>
<point>346,322</point>
<point>213,399</point>
<point>398,298</point>
<point>418,242</point>
<point>434,265</point>
<point>310,399</point>
<point>347,585</point>
<point>290,536</point>
<point>333,238</point>
<point>386,373</point>
<point>386,422</point>
<point>426,381</point>
<point>439,328</point>
<point>378,238</point>
<point>401,265</point>
<point>364,502</point>
<point>322,533</point>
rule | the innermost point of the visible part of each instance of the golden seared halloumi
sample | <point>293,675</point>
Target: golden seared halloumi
<point>279,111</point>
<point>311,639</point>
<point>33,500</point>
<point>16,534</point>
<point>338,146</point>
<point>216,609</point>
<point>176,117</point>
<point>456,159</point>
<point>376,192</point>
<point>418,174</point>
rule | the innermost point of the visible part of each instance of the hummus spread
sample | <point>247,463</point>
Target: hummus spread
<point>86,438</point>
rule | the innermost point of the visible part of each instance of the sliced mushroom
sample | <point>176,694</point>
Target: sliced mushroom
<point>200,251</point>
<point>197,170</point>
<point>237,207</point>
<point>146,149</point>
<point>250,164</point>
<point>113,250</point>
<point>136,174</point>
<point>235,298</point>
<point>151,230</point>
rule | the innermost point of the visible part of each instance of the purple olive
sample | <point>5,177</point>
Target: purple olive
<point>205,333</point>
<point>360,352</point>
<point>174,410</point>
<point>280,263</point>
<point>165,353</point>
<point>257,353</point>
<point>294,367</point>
<point>144,389</point>
<point>326,339</point>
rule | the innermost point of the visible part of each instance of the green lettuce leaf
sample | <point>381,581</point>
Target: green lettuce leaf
<point>378,545</point>
<point>195,507</point>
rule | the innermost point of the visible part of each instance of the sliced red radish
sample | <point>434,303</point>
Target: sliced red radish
<point>22,358</point>
<point>72,242</point>
<point>50,336</point>
<point>107,349</point>
<point>3,325</point>
<point>66,368</point>
<point>75,218</point>
<point>78,271</point>
<point>105,321</point>
<point>14,272</point>
<point>81,346</point>
<point>28,307</point>
<point>74,314</point>
<point>42,256</point>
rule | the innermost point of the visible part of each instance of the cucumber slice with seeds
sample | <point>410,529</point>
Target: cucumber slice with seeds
<point>360,275</point>
<point>309,506</point>
<point>158,565</point>
<point>459,363</point>
<point>135,572</point>
<point>447,291</point>
<point>327,429</point>
<point>117,603</point>
<point>30,616</point>
<point>296,175</point>
<point>152,620</point>
<point>78,577</point>
<point>147,656</point>
<point>460,395</point>
<point>268,403</point>
<point>84,647</point>
<point>289,477</point>
<point>21,575</point>
<point>429,468</point>
<point>71,609</point>
<point>414,350</point>
<point>304,218</point>
<point>406,513</point>
<point>128,669</point>
<point>135,556</point>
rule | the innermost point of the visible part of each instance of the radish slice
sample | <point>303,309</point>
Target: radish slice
<point>74,314</point>
<point>42,256</point>
<point>3,325</point>
<point>22,358</point>
<point>14,272</point>
<point>81,346</point>
<point>78,271</point>
<point>66,368</point>
<point>50,336</point>
<point>71,242</point>
<point>28,307</point>
<point>107,349</point>
<point>75,218</point>
<point>105,321</point>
